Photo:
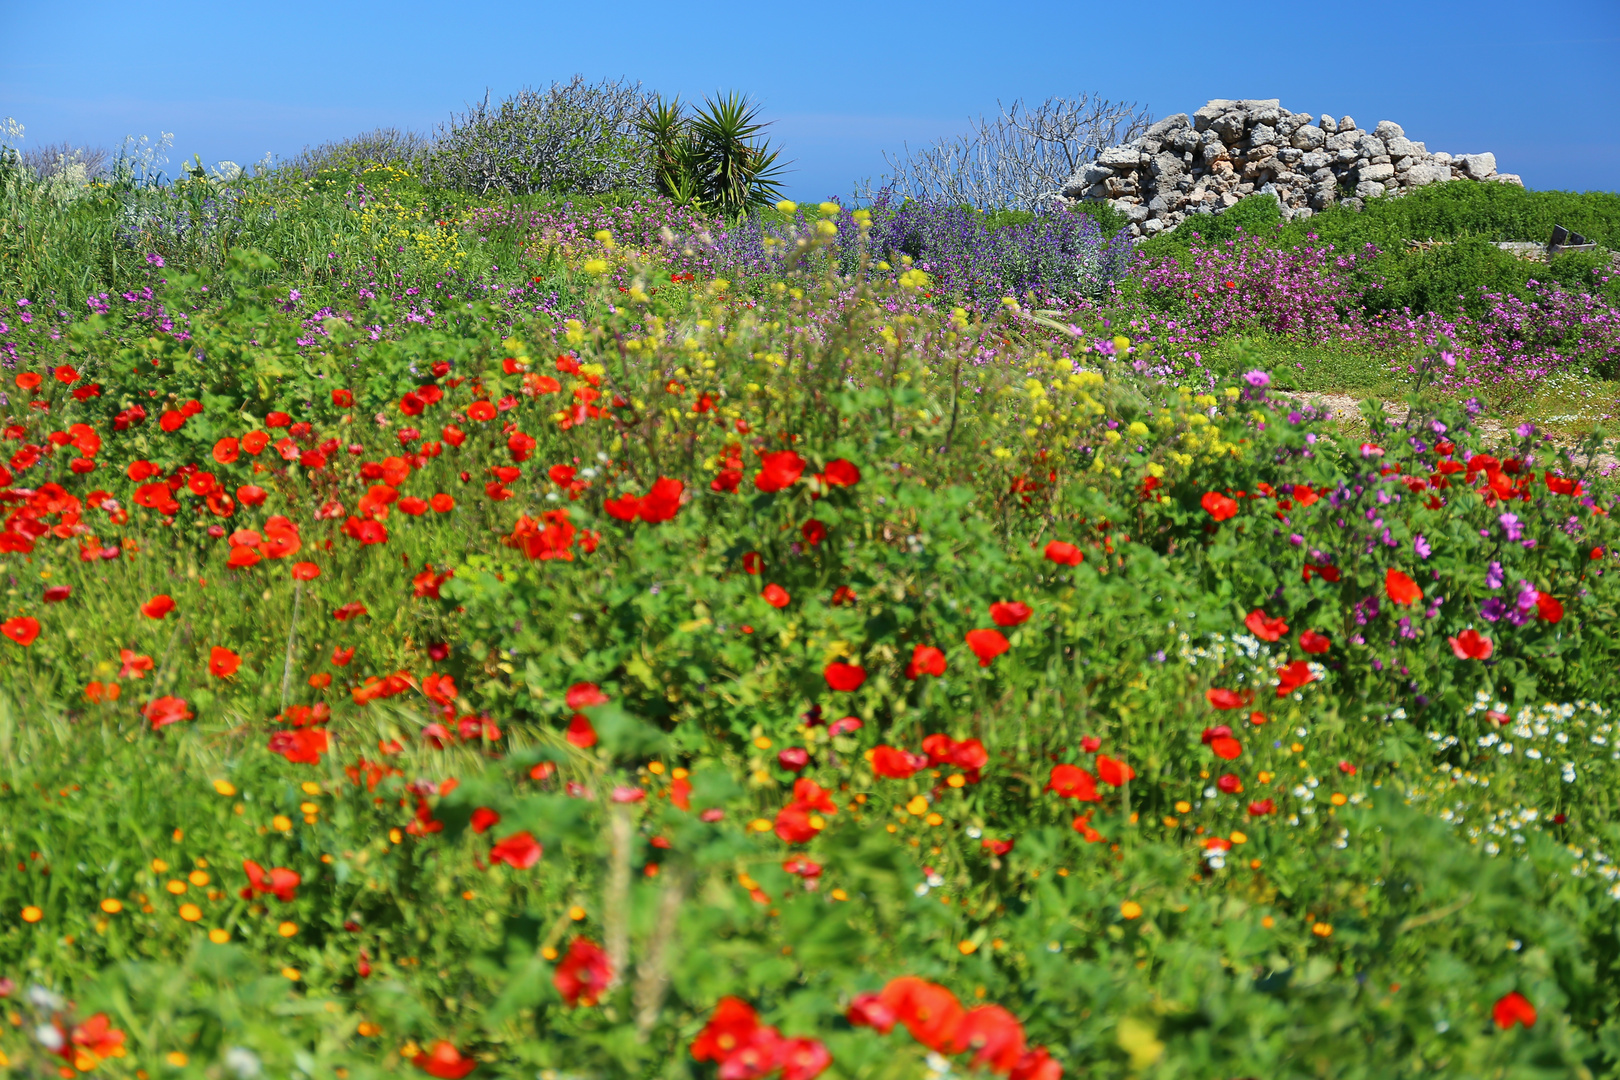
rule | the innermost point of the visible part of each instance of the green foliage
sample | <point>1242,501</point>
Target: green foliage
<point>1385,903</point>
<point>1461,272</point>
<point>1466,208</point>
<point>1256,214</point>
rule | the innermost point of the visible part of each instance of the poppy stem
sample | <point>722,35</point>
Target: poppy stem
<point>616,909</point>
<point>292,631</point>
<point>653,972</point>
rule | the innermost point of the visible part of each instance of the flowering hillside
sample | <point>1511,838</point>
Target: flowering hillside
<point>792,681</point>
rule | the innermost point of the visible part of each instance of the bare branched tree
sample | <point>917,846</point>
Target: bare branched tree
<point>47,161</point>
<point>1020,158</point>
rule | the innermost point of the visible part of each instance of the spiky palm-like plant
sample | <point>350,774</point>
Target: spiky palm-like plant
<point>716,158</point>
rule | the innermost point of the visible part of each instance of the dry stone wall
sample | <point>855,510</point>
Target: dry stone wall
<point>1206,162</point>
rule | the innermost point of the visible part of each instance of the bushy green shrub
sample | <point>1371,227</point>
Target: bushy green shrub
<point>407,150</point>
<point>1466,208</point>
<point>573,138</point>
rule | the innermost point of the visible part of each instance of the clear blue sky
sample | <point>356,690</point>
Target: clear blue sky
<point>1536,83</point>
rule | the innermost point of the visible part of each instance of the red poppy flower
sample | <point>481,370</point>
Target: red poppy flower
<point>584,695</point>
<point>793,758</point>
<point>778,470</point>
<point>733,1022</point>
<point>1036,1064</point>
<point>58,593</point>
<point>1218,506</point>
<point>996,847</point>
<point>163,711</point>
<point>793,824</point>
<point>305,571</point>
<point>519,851</point>
<point>896,764</point>
<point>445,1062</point>
<point>930,1012</point>
<point>1548,607</point>
<point>1262,807</point>
<point>1073,782</point>
<point>302,747</point>
<point>23,629</point>
<point>28,380</point>
<point>481,411</point>
<point>1228,699</point>
<point>1315,643</point>
<point>279,882</point>
<point>776,596</point>
<point>1264,626</point>
<point>1113,772</point>
<point>241,558</point>
<point>1064,553</point>
<point>341,656</point>
<point>1225,747</point>
<point>843,595</point>
<point>584,974</point>
<point>227,450</point>
<point>993,1034</point>
<point>1010,613</point>
<point>869,1010</point>
<point>661,501</point>
<point>222,662</point>
<point>1513,1008</point>
<point>841,473</point>
<point>99,1038</point>
<point>352,610</point>
<point>1229,784</point>
<point>1471,645</point>
<point>813,531</point>
<point>157,607</point>
<point>1400,588</point>
<point>925,660</point>
<point>343,399</point>
<point>442,503</point>
<point>844,677</point>
<point>987,645</point>
<point>801,1059</point>
<point>1292,676</point>
<point>580,732</point>
<point>251,495</point>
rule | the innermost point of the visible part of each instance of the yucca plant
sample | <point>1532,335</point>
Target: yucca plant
<point>716,158</point>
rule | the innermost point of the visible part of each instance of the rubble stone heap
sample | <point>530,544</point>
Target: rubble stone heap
<point>1206,162</point>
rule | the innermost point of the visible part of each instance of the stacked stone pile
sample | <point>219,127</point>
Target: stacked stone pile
<point>1206,162</point>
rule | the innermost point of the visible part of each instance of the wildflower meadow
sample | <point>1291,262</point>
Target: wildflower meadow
<point>574,637</point>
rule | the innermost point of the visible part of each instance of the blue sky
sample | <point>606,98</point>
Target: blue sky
<point>1537,84</point>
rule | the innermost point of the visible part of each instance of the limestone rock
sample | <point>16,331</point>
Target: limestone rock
<point>1309,137</point>
<point>1119,157</point>
<point>1187,166</point>
<point>1428,174</point>
<point>1169,125</point>
<point>1479,166</point>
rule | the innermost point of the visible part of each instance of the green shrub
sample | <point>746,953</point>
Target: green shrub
<point>573,138</point>
<point>1465,208</point>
